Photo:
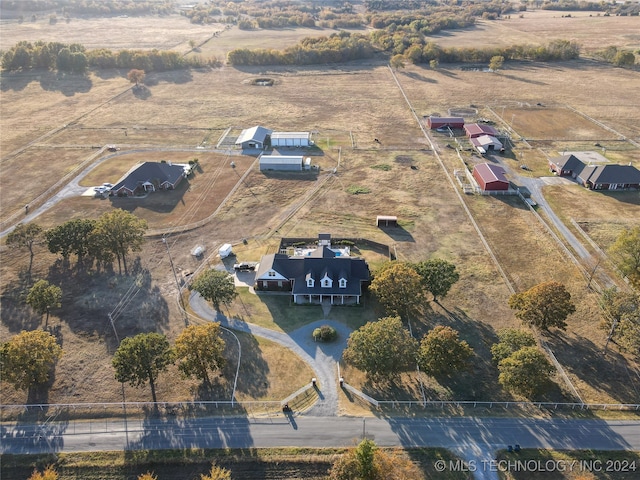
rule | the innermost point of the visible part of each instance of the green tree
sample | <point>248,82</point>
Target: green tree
<point>217,473</point>
<point>496,63</point>
<point>438,276</point>
<point>442,353</point>
<point>414,54</point>
<point>397,61</point>
<point>27,358</point>
<point>136,76</point>
<point>621,318</point>
<point>25,235</point>
<point>120,232</point>
<point>626,254</point>
<point>43,296</point>
<point>510,341</point>
<point>543,306</point>
<point>140,359</point>
<point>215,286</point>
<point>526,372</point>
<point>73,236</point>
<point>382,348</point>
<point>368,462</point>
<point>398,288</point>
<point>200,350</point>
<point>49,473</point>
<point>624,58</point>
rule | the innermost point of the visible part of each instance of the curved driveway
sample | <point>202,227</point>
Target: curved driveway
<point>321,357</point>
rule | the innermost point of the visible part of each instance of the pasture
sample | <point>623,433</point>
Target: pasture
<point>58,123</point>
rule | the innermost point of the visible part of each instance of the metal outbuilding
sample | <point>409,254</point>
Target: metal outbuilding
<point>290,139</point>
<point>443,122</point>
<point>484,143</point>
<point>254,137</point>
<point>291,163</point>
<point>490,177</point>
<point>477,129</point>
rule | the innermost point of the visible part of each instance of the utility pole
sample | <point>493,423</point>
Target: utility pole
<point>175,276</point>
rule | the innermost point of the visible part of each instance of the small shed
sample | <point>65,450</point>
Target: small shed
<point>474,130</point>
<point>225,250</point>
<point>490,177</point>
<point>291,163</point>
<point>442,122</point>
<point>290,139</point>
<point>386,221</point>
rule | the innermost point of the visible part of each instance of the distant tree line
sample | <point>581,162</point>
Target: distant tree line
<point>337,48</point>
<point>344,46</point>
<point>612,8</point>
<point>75,58</point>
<point>95,7</point>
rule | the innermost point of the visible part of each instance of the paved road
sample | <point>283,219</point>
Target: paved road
<point>475,438</point>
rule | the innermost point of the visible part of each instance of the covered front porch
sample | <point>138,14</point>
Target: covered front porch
<point>334,299</point>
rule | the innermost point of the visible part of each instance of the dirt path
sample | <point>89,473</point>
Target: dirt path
<point>321,357</point>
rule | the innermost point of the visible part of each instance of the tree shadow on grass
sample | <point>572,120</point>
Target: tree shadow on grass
<point>15,81</point>
<point>66,83</point>
<point>15,313</point>
<point>253,376</point>
<point>610,373</point>
<point>90,297</point>
<point>141,92</point>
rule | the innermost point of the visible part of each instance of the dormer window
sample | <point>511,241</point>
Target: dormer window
<point>326,282</point>
<point>343,283</point>
<point>310,281</point>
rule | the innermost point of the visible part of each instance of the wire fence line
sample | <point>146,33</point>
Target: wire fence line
<point>49,413</point>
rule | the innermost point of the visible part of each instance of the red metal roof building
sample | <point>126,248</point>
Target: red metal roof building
<point>490,177</point>
<point>441,122</point>
<point>477,129</point>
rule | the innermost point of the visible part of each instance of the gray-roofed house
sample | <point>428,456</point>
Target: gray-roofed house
<point>254,137</point>
<point>149,177</point>
<point>319,275</point>
<point>610,177</point>
<point>566,165</point>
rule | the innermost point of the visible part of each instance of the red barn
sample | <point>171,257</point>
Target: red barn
<point>477,129</point>
<point>490,177</point>
<point>442,122</point>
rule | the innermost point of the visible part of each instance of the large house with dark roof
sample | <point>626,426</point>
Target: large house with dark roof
<point>596,177</point>
<point>315,275</point>
<point>149,177</point>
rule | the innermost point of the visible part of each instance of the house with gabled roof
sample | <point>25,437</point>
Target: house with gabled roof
<point>596,176</point>
<point>566,165</point>
<point>609,177</point>
<point>149,177</point>
<point>322,274</point>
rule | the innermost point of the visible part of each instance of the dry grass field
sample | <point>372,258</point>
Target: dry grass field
<point>535,26</point>
<point>58,122</point>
